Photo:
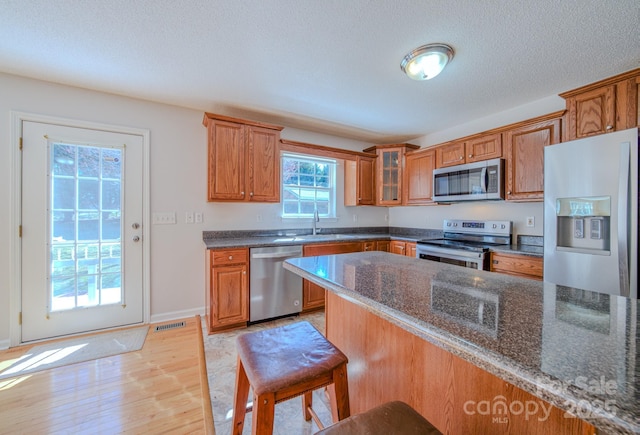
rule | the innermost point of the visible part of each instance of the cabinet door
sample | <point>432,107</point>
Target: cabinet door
<point>389,178</point>
<point>368,246</point>
<point>451,154</point>
<point>518,265</point>
<point>419,177</point>
<point>226,161</point>
<point>312,296</point>
<point>229,296</point>
<point>484,148</point>
<point>263,164</point>
<point>524,152</point>
<point>366,180</point>
<point>410,249</point>
<point>592,112</point>
<point>383,245</point>
<point>398,247</point>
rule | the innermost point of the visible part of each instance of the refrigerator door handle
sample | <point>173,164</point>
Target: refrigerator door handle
<point>623,227</point>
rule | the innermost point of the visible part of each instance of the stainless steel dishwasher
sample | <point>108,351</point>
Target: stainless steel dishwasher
<point>273,291</point>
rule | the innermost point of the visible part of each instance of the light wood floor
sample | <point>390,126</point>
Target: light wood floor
<point>161,388</point>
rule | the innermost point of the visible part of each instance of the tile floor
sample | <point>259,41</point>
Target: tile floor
<point>221,357</point>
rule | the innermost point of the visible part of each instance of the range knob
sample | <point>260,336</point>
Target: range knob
<point>503,226</point>
<point>495,226</point>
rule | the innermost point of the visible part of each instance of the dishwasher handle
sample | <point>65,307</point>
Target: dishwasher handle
<point>277,255</point>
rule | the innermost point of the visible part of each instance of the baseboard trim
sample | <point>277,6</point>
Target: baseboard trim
<point>175,315</point>
<point>4,344</point>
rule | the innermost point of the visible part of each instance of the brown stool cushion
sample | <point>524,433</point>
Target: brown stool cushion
<point>277,358</point>
<point>392,418</point>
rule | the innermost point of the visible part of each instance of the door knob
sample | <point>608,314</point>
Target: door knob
<point>136,238</point>
<point>135,225</point>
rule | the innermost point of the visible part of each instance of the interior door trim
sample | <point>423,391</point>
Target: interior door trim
<point>15,180</point>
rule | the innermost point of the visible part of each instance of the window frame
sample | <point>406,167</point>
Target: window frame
<point>332,189</point>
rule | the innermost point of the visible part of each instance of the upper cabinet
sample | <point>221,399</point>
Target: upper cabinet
<point>603,107</point>
<point>359,181</point>
<point>389,168</point>
<point>524,153</point>
<point>243,160</point>
<point>471,149</point>
<point>418,176</point>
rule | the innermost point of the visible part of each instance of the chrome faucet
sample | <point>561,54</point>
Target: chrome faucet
<point>316,218</point>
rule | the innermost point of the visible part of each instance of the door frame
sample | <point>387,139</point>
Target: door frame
<point>15,262</point>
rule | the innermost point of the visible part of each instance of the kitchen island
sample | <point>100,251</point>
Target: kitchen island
<point>476,352</point>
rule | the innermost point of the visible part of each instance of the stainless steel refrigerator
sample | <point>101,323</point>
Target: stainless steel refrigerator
<point>591,213</point>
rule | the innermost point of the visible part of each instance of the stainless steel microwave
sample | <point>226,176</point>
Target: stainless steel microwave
<point>470,182</point>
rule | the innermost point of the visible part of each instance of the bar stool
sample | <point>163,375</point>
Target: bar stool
<point>392,418</point>
<point>282,363</point>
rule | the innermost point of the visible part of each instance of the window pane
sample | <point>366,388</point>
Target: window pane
<point>111,225</point>
<point>111,195</point>
<point>88,194</point>
<point>308,184</point>
<point>64,226</point>
<point>111,163</point>
<point>64,193</point>
<point>88,162</point>
<point>64,159</point>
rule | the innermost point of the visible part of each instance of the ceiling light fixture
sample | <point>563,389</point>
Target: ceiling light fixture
<point>427,61</point>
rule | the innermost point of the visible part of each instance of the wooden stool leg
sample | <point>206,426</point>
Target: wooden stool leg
<point>339,394</point>
<point>240,399</point>
<point>307,401</point>
<point>263,413</point>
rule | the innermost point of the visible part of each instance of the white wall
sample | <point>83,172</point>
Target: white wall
<point>178,152</point>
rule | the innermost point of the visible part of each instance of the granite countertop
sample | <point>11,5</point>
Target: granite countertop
<point>259,238</point>
<point>573,348</point>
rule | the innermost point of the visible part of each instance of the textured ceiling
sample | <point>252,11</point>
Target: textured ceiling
<point>329,66</point>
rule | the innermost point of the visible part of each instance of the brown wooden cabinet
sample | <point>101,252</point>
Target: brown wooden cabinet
<point>389,167</point>
<point>400,247</point>
<point>471,149</point>
<point>228,295</point>
<point>359,181</point>
<point>418,175</point>
<point>383,245</point>
<point>603,107</point>
<point>243,160</point>
<point>524,153</point>
<point>312,294</point>
<point>524,266</point>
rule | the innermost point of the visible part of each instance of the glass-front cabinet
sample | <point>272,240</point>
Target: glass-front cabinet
<point>389,167</point>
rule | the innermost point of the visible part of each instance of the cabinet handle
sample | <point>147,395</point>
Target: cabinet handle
<point>250,193</point>
<point>509,193</point>
<point>495,261</point>
<point>609,127</point>
<point>241,193</point>
<point>470,155</point>
<point>460,158</point>
<point>230,257</point>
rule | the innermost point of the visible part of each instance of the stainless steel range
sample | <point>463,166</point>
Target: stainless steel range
<point>466,242</point>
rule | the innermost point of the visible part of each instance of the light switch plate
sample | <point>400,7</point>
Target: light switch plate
<point>164,218</point>
<point>531,221</point>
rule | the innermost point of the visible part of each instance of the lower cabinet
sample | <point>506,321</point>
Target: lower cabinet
<point>524,266</point>
<point>228,295</point>
<point>403,248</point>
<point>312,294</point>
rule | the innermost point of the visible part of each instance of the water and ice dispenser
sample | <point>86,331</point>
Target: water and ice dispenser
<point>583,224</point>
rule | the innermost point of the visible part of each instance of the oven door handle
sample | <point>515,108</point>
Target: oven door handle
<point>446,252</point>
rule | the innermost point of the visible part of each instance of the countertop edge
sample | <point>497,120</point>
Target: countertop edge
<point>537,384</point>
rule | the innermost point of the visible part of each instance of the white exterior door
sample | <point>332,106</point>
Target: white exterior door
<point>82,209</point>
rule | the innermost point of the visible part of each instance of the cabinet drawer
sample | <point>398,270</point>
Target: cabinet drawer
<point>229,256</point>
<point>520,265</point>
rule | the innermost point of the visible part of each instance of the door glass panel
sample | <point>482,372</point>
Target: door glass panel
<point>85,227</point>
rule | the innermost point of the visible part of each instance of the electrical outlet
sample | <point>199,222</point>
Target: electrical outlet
<point>531,221</point>
<point>164,218</point>
<point>188,217</point>
<point>198,218</point>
